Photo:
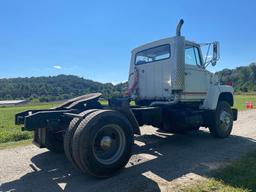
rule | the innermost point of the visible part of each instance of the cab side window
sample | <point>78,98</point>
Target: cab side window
<point>192,56</point>
<point>153,54</point>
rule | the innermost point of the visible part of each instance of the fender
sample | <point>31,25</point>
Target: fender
<point>122,105</point>
<point>213,95</point>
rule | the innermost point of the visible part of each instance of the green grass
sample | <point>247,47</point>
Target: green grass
<point>104,102</point>
<point>240,101</point>
<point>212,185</point>
<point>240,176</point>
<point>10,132</point>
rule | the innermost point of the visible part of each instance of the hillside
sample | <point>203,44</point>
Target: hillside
<point>67,86</point>
<point>54,88</point>
<point>243,78</point>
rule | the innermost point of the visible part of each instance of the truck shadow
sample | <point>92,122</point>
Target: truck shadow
<point>155,162</point>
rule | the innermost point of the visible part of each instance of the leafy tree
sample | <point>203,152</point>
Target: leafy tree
<point>243,78</point>
<point>53,88</point>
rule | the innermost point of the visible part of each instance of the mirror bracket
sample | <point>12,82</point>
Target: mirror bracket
<point>215,53</point>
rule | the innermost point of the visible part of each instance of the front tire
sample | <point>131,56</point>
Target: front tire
<point>222,121</point>
<point>102,143</point>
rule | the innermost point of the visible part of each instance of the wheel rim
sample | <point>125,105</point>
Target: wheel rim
<point>109,144</point>
<point>225,120</point>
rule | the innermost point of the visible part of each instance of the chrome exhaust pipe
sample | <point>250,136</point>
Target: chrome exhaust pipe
<point>178,33</point>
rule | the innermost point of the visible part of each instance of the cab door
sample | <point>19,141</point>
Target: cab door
<point>196,76</point>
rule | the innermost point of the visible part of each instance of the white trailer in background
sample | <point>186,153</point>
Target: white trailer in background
<point>12,102</point>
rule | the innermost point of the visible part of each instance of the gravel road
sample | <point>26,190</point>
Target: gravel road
<point>158,161</point>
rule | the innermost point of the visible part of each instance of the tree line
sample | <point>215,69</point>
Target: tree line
<point>52,88</point>
<point>61,87</point>
<point>243,78</point>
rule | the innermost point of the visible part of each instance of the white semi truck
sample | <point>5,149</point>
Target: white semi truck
<point>172,90</point>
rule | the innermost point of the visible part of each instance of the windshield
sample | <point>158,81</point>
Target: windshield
<point>153,54</point>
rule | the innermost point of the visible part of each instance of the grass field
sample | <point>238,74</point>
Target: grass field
<point>10,132</point>
<point>240,101</point>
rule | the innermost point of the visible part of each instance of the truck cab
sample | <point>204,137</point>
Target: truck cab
<point>174,69</point>
<point>155,62</point>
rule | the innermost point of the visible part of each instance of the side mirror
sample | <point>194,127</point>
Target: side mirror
<point>215,53</point>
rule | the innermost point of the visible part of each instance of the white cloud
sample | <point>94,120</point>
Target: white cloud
<point>57,67</point>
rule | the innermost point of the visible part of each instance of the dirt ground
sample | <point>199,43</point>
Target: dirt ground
<point>159,162</point>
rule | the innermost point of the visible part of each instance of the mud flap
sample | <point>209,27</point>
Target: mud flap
<point>40,137</point>
<point>234,113</point>
<point>122,105</point>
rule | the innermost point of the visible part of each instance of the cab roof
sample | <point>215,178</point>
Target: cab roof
<point>160,42</point>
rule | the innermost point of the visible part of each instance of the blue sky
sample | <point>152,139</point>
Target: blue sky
<point>93,39</point>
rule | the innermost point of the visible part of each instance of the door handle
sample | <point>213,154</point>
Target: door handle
<point>188,73</point>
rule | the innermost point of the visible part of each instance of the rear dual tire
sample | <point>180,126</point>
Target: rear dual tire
<point>102,142</point>
<point>68,137</point>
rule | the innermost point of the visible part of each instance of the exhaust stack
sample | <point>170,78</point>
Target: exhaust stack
<point>178,33</point>
<point>178,66</point>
